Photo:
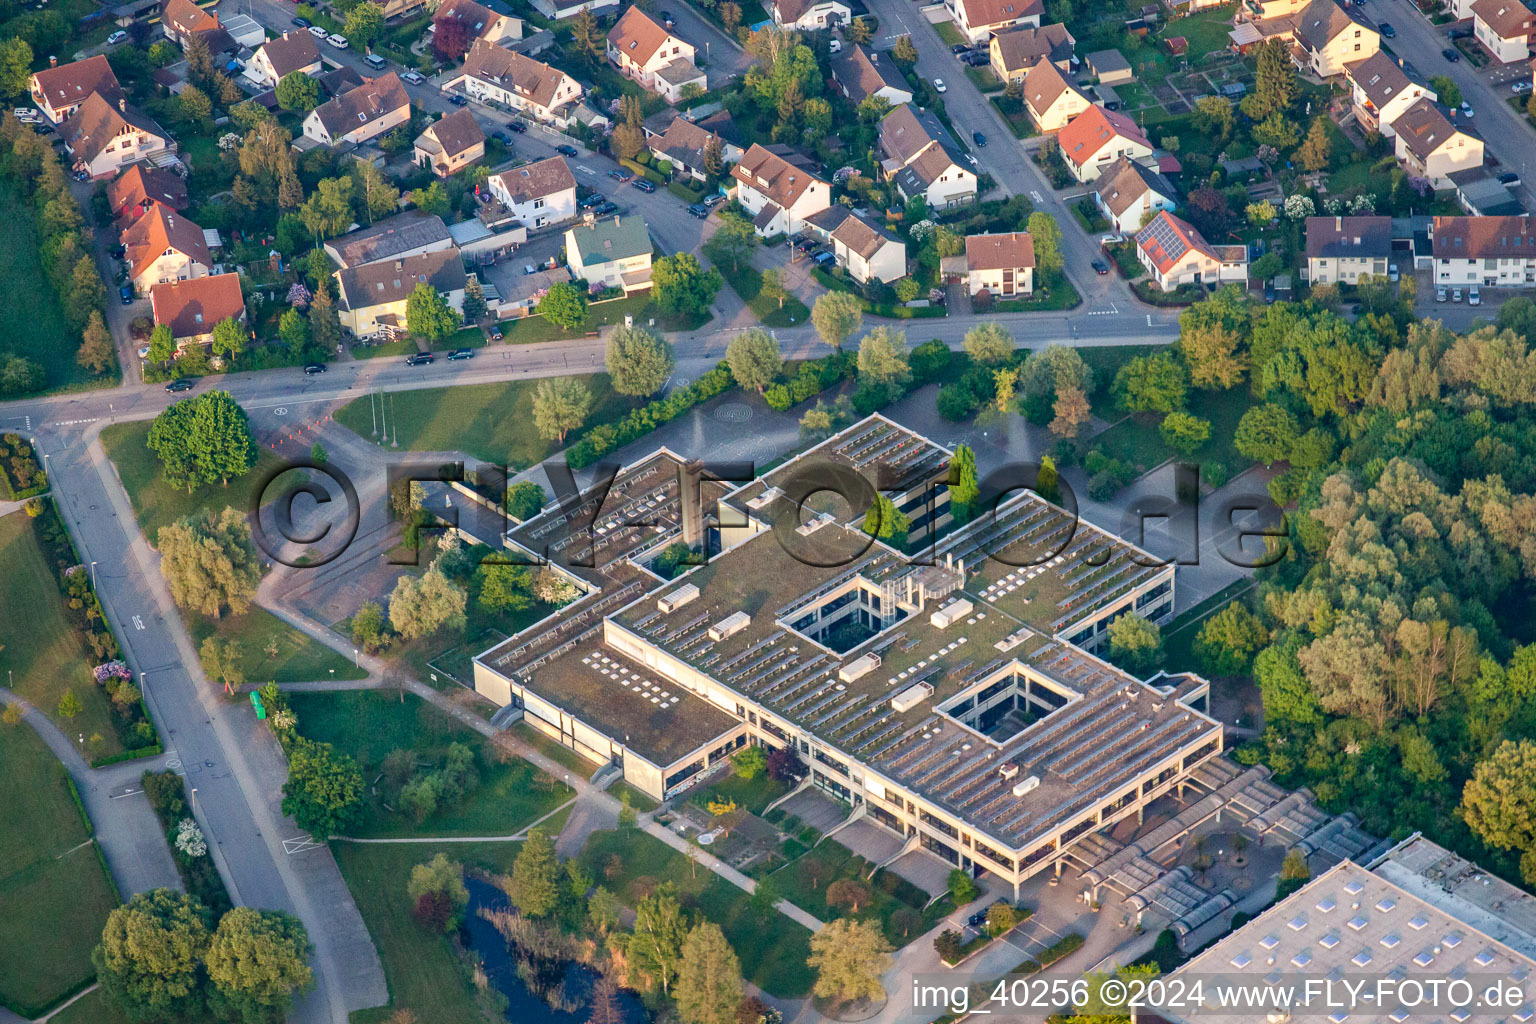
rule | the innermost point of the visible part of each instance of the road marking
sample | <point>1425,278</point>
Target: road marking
<point>281,410</point>
<point>71,423</point>
<point>584,169</point>
<point>138,623</point>
<point>299,845</point>
<point>1035,196</point>
<point>1149,319</point>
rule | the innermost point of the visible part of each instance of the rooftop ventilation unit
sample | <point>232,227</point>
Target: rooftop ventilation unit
<point>1007,770</point>
<point>808,528</point>
<point>911,697</point>
<point>859,667</point>
<point>682,595</point>
<point>729,626</point>
<point>1013,640</point>
<point>1028,785</point>
<point>951,613</point>
<point>767,497</point>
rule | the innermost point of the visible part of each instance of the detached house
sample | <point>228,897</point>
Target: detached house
<point>650,55</point>
<point>978,19</point>
<point>559,10</point>
<point>404,234</point>
<point>277,58</point>
<point>451,144</point>
<point>1340,249</point>
<point>479,21</point>
<point>1050,99</point>
<point>1097,138</point>
<point>921,157</point>
<point>810,14</point>
<point>1381,92</point>
<point>615,253</point>
<point>858,74</point>
<point>539,194</point>
<point>1327,37</point>
<point>137,189</point>
<point>867,251</point>
<point>164,246</point>
<point>58,91</point>
<point>1003,266</point>
<point>781,196</point>
<point>1487,251</point>
<point>684,144</point>
<point>357,115</point>
<point>192,308</point>
<point>1127,194</point>
<point>1175,254</point>
<point>494,74</point>
<point>1014,52</point>
<point>182,21</point>
<point>372,298</point>
<point>104,137</point>
<point>1430,146</point>
<point>1505,28</point>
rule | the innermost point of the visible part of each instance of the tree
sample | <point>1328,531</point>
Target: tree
<point>324,321</point>
<point>228,338</point>
<point>964,485</point>
<point>849,957</point>
<point>1318,146</point>
<point>451,39</point>
<point>628,139</point>
<point>963,887</point>
<point>730,16</point>
<point>222,661</point>
<point>534,885</point>
<point>883,358</point>
<point>837,316</point>
<point>949,945</point>
<point>904,52</point>
<point>365,23</point>
<point>324,789</point>
<point>69,705</point>
<point>202,440</point>
<point>586,37</point>
<point>1071,412</point>
<point>257,962</point>
<point>714,157</point>
<point>709,985</point>
<point>749,762</point>
<point>1275,85</point>
<point>680,285</point>
<point>328,210</point>
<point>423,605</point>
<point>86,293</point>
<point>564,306</point>
<point>1214,113</point>
<point>96,353</point>
<point>638,361</point>
<point>733,240</point>
<point>1151,383</point>
<point>887,522</point>
<point>560,405</point>
<point>15,66</point>
<point>150,957</point>
<point>380,196</point>
<point>434,198</point>
<point>989,344</point>
<point>441,876</point>
<point>1135,643</point>
<point>298,92</point>
<point>1046,235</point>
<point>655,948</point>
<point>1446,89</point>
<point>1184,433</point>
<point>428,315</point>
<point>209,562</point>
<point>195,104</point>
<point>1294,873</point>
<point>1499,802</point>
<point>1267,433</point>
<point>1229,639</point>
<point>474,300</point>
<point>753,356</point>
<point>162,344</point>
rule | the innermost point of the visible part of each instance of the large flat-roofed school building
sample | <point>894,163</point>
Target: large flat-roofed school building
<point>954,696</point>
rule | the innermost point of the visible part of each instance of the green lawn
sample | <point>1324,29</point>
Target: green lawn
<point>772,952</point>
<point>893,901</point>
<point>949,33</point>
<point>91,1008</point>
<point>1136,439</point>
<point>156,502</point>
<point>492,422</point>
<point>298,660</point>
<point>35,328</point>
<point>53,887</point>
<point>530,329</point>
<point>368,724</point>
<point>747,282</point>
<point>1206,31</point>
<point>554,751</point>
<point>41,651</point>
<point>753,795</point>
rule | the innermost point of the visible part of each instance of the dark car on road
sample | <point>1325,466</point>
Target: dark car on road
<point>977,920</point>
<point>565,150</point>
<point>314,368</point>
<point>595,199</point>
<point>645,185</point>
<point>1100,267</point>
<point>180,384</point>
<point>1510,178</point>
<point>1451,54</point>
<point>502,137</point>
<point>126,294</point>
<point>979,139</point>
<point>1387,31</point>
<point>301,22</point>
<point>517,126</point>
<point>458,101</point>
<point>620,174</point>
<point>960,48</point>
<point>974,60</point>
<point>699,210</point>
<point>606,209</point>
<point>461,353</point>
<point>419,359</point>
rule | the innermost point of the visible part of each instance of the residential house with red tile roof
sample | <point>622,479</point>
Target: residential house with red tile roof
<point>1002,265</point>
<point>1430,146</point>
<point>164,245</point>
<point>779,195</point>
<point>491,73</point>
<point>103,136</point>
<point>280,57</point>
<point>1175,254</point>
<point>1097,138</point>
<point>133,192</point>
<point>1506,28</point>
<point>1050,99</point>
<point>182,21</point>
<point>647,53</point>
<point>193,307</point>
<point>1381,92</point>
<point>1013,52</point>
<point>58,91</point>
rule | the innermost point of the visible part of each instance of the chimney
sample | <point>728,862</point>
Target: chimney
<point>122,105</point>
<point>53,62</point>
<point>1338,223</point>
<point>399,265</point>
<point>693,503</point>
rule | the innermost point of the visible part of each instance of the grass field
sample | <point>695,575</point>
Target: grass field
<point>492,422</point>
<point>530,329</point>
<point>298,660</point>
<point>748,283</point>
<point>772,951</point>
<point>54,890</point>
<point>91,1008</point>
<point>368,724</point>
<point>36,328</point>
<point>893,901</point>
<point>752,794</point>
<point>1136,439</point>
<point>41,650</point>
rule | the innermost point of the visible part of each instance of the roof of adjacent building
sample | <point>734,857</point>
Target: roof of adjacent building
<point>1506,18</point>
<point>533,80</point>
<point>537,180</point>
<point>1379,77</point>
<point>861,74</point>
<point>1424,128</point>
<point>1092,130</point>
<point>374,284</point>
<point>685,142</point>
<point>637,36</point>
<point>1021,47</point>
<point>91,128</point>
<point>1168,239</point>
<point>1125,181</point>
<point>162,228</point>
<point>1043,85</point>
<point>906,131</point>
<point>853,231</point>
<point>791,11</point>
<point>934,163</point>
<point>192,307</point>
<point>1479,238</point>
<point>1322,20</point>
<point>999,12</point>
<point>999,252</point>
<point>1348,237</point>
<point>388,238</point>
<point>69,84</point>
<point>1483,194</point>
<point>1107,60</point>
<point>457,132</point>
<point>477,16</point>
<point>142,184</point>
<point>184,16</point>
<point>374,99</point>
<point>774,176</point>
<point>614,238</point>
<point>292,51</point>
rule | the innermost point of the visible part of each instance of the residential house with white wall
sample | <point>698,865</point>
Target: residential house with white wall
<point>1002,265</point>
<point>1013,52</point>
<point>645,52</point>
<point>162,246</point>
<point>684,144</point>
<point>540,194</point>
<point>1328,37</point>
<point>859,73</point>
<point>450,144</point>
<point>865,249</point>
<point>1341,249</point>
<point>479,21</point>
<point>192,308</point>
<point>1096,138</point>
<point>59,90</point>
<point>494,74</point>
<point>1506,29</point>
<point>377,106</point>
<point>919,154</point>
<point>1050,99</point>
<point>103,137</point>
<point>277,58</point>
<point>1381,92</point>
<point>780,195</point>
<point>978,19</point>
<point>809,15</point>
<point>1430,146</point>
<point>1490,252</point>
<point>1175,254</point>
<point>614,252</point>
<point>1128,193</point>
<point>371,299</point>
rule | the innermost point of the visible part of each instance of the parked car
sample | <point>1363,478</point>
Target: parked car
<point>939,86</point>
<point>824,259</point>
<point>461,353</point>
<point>1387,31</point>
<point>1392,273</point>
<point>979,139</point>
<point>179,384</point>
<point>807,244</point>
<point>143,351</point>
<point>314,368</point>
<point>595,199</point>
<point>1440,294</point>
<point>126,294</point>
<point>518,126</point>
<point>960,48</point>
<point>419,359</point>
<point>834,46</point>
<point>975,60</point>
<point>376,62</point>
<point>1456,295</point>
<point>1099,267</point>
<point>565,150</point>
<point>1451,54</point>
<point>502,137</point>
<point>1510,178</point>
<point>27,115</point>
<point>1474,298</point>
<point>1105,241</point>
<point>1466,109</point>
<point>698,210</point>
<point>42,128</point>
<point>301,22</point>
<point>495,334</point>
<point>977,919</point>
<point>116,37</point>
<point>457,100</point>
<point>414,77</point>
<point>714,200</point>
<point>644,185</point>
<point>318,32</point>
<point>620,174</point>
<point>667,19</point>
<point>337,40</point>
<point>1520,88</point>
<point>606,209</point>
<point>529,270</point>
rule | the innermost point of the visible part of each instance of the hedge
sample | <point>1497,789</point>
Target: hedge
<point>655,177</point>
<point>153,750</point>
<point>684,191</point>
<point>813,377</point>
<point>607,437</point>
<point>878,308</point>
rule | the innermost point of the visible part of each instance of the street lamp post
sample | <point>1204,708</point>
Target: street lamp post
<point>93,574</point>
